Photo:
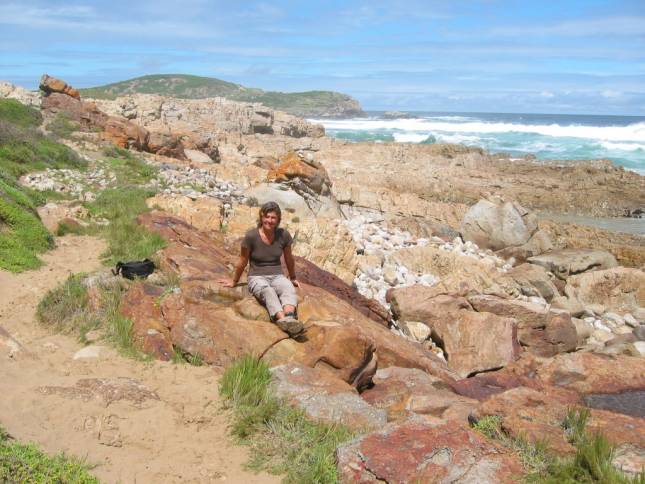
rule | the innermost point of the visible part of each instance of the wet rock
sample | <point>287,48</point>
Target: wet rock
<point>568,262</point>
<point>324,397</point>
<point>420,451</point>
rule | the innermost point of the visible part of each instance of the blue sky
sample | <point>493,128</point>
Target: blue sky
<point>566,56</point>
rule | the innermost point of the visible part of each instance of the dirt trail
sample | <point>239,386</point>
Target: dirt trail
<point>144,422</point>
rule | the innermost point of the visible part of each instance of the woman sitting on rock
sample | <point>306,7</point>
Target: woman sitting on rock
<point>262,247</point>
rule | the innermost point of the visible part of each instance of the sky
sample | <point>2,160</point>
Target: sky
<point>563,56</point>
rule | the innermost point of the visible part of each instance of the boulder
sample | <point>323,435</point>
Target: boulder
<point>50,85</point>
<point>568,262</point>
<point>150,331</point>
<point>292,165</point>
<point>471,341</point>
<point>325,398</point>
<point>216,332</point>
<point>287,199</point>
<point>620,290</point>
<point>587,373</point>
<point>476,342</point>
<point>418,303</point>
<point>327,243</point>
<point>494,224</point>
<point>407,391</point>
<point>343,351</point>
<point>420,451</point>
<point>541,331</point>
<point>533,280</point>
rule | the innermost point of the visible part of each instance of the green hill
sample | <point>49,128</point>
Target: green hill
<point>306,104</point>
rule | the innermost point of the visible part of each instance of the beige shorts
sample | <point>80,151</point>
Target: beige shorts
<point>274,292</point>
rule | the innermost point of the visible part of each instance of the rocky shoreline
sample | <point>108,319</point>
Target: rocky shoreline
<point>431,292</point>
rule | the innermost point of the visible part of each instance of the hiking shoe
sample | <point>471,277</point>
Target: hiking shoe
<point>290,325</point>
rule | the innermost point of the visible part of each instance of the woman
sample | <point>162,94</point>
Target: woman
<point>262,247</point>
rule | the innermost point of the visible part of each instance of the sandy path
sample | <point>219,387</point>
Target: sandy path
<point>167,428</point>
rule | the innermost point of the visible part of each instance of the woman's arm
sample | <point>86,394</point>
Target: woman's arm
<point>242,262</point>
<point>291,264</point>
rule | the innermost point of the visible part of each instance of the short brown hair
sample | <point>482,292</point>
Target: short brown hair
<point>267,208</point>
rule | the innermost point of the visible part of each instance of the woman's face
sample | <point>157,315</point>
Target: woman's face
<point>269,221</point>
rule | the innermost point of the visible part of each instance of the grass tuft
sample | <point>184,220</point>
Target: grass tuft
<point>282,439</point>
<point>67,309</point>
<point>592,462</point>
<point>126,239</point>
<point>26,463</point>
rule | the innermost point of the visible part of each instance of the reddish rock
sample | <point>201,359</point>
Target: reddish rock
<point>588,373</point>
<point>477,342</point>
<point>619,290</point>
<point>325,398</point>
<point>52,85</point>
<point>201,260</point>
<point>149,330</point>
<point>292,166</point>
<point>215,332</point>
<point>543,332</point>
<point>124,133</point>
<point>343,351</point>
<point>404,391</point>
<point>534,280</point>
<point>417,303</point>
<point>538,416</point>
<point>310,273</point>
<point>419,451</point>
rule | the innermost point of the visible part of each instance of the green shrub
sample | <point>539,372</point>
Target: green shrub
<point>66,309</point>
<point>25,463</point>
<point>282,439</point>
<point>126,239</point>
<point>592,462</point>
<point>62,126</point>
<point>14,112</point>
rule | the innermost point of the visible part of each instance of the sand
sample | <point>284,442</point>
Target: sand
<point>145,422</point>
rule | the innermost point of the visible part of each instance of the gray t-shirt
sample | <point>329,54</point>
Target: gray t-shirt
<point>265,259</point>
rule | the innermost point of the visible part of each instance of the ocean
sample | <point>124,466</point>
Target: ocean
<point>547,136</point>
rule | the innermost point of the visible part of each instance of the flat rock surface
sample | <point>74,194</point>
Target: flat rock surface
<point>418,451</point>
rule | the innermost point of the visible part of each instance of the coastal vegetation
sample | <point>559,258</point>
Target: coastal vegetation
<point>591,463</point>
<point>21,463</point>
<point>23,149</point>
<point>309,103</point>
<point>281,438</point>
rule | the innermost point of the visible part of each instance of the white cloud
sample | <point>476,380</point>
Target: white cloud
<point>593,27</point>
<point>611,94</point>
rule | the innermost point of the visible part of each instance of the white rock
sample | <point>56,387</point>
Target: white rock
<point>93,351</point>
<point>630,320</point>
<point>615,318</point>
<point>640,347</point>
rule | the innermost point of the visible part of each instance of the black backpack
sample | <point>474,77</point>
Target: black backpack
<point>132,269</point>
